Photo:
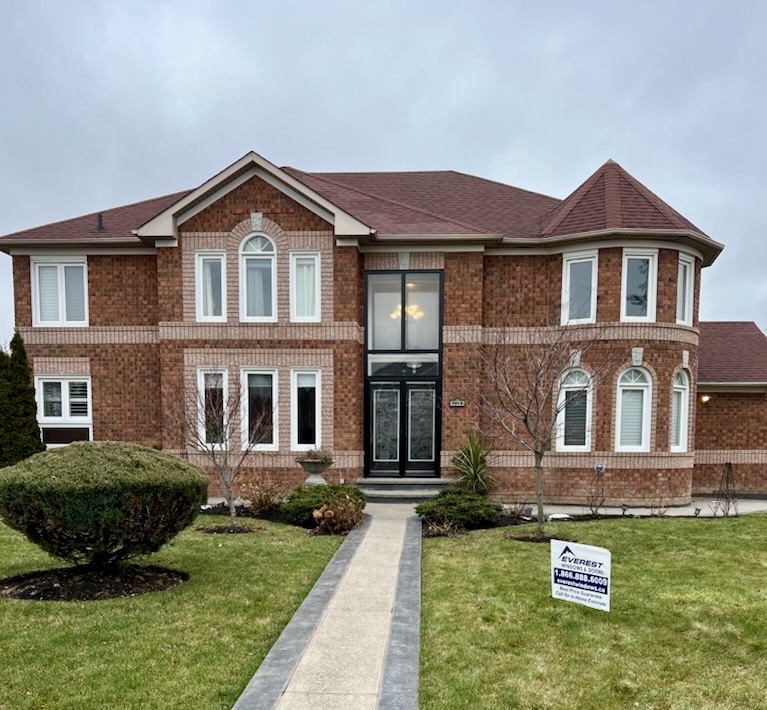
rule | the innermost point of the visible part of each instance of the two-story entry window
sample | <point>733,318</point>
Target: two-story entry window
<point>404,325</point>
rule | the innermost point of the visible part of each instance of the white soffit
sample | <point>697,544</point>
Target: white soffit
<point>166,223</point>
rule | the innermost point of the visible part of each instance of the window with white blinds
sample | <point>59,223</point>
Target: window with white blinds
<point>59,293</point>
<point>633,425</point>
<point>574,412</point>
<point>680,402</point>
<point>64,409</point>
<point>305,288</point>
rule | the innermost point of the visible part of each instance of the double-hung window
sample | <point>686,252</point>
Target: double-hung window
<point>633,416</point>
<point>574,412</point>
<point>685,289</point>
<point>59,292</point>
<point>680,402</point>
<point>305,409</point>
<point>210,286</point>
<point>64,409</point>
<point>258,289</point>
<point>213,419</point>
<point>638,285</point>
<point>304,287</point>
<point>259,409</point>
<point>579,288</point>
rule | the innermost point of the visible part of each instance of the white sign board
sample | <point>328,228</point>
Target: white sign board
<point>580,574</point>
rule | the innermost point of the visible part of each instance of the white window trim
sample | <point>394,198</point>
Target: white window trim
<point>646,389</point>
<point>317,274</point>
<point>244,372</point>
<point>652,284</point>
<point>560,438</point>
<point>199,256</point>
<point>200,399</point>
<point>294,445</point>
<point>684,414</point>
<point>689,295</point>
<point>65,420</point>
<point>272,257</point>
<point>567,260</point>
<point>60,262</point>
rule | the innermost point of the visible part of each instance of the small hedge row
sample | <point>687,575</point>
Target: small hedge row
<point>300,505</point>
<point>100,503</point>
<point>459,508</point>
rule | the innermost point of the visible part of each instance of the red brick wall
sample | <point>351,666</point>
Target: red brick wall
<point>463,289</point>
<point>255,196</point>
<point>348,396</point>
<point>22,293</point>
<point>122,290</point>
<point>348,285</point>
<point>748,479</point>
<point>732,421</point>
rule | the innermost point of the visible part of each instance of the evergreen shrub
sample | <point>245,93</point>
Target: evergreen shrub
<point>300,505</point>
<point>100,503</point>
<point>459,508</point>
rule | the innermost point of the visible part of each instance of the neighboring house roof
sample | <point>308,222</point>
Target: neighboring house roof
<point>407,206</point>
<point>732,353</point>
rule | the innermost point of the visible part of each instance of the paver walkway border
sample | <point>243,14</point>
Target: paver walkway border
<point>399,686</point>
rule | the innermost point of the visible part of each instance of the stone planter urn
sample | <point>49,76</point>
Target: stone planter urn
<point>315,463</point>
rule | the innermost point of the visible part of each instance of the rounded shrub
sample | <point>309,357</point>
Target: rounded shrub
<point>460,508</point>
<point>300,505</point>
<point>100,503</point>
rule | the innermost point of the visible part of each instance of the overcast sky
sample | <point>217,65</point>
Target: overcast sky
<point>107,102</point>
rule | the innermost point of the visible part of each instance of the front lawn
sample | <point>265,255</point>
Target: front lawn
<point>195,646</point>
<point>688,627</point>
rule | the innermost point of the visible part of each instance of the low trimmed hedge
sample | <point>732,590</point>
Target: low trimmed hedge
<point>300,505</point>
<point>100,503</point>
<point>460,508</point>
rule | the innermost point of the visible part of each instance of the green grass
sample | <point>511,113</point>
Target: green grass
<point>688,627</point>
<point>195,646</point>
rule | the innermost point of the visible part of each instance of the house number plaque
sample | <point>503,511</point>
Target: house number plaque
<point>457,403</point>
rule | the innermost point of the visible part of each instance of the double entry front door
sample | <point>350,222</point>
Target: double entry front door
<point>403,427</point>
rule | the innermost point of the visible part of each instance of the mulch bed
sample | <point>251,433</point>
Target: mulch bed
<point>89,584</point>
<point>228,529</point>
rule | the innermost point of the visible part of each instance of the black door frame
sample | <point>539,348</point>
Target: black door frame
<point>403,381</point>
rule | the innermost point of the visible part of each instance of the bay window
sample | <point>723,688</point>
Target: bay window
<point>680,403</point>
<point>579,288</point>
<point>574,412</point>
<point>639,284</point>
<point>685,289</point>
<point>633,415</point>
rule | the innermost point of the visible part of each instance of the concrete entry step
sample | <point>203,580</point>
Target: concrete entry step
<point>398,489</point>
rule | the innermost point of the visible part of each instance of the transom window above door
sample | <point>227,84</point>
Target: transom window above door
<point>404,311</point>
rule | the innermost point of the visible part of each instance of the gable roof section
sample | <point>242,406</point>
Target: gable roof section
<point>732,353</point>
<point>165,224</point>
<point>119,225</point>
<point>433,202</point>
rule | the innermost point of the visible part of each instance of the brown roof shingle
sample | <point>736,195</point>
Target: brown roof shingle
<point>732,352</point>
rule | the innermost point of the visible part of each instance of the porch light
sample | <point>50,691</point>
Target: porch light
<point>705,398</point>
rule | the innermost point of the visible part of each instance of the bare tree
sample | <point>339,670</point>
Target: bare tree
<point>221,423</point>
<point>523,372</point>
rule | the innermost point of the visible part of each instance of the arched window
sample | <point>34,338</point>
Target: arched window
<point>633,415</point>
<point>258,293</point>
<point>574,412</point>
<point>680,403</point>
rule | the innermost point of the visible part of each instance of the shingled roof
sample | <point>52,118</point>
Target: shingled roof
<point>613,199</point>
<point>732,353</point>
<point>409,205</point>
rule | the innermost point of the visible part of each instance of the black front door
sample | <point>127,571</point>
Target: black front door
<point>403,428</point>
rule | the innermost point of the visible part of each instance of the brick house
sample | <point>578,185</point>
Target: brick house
<point>352,306</point>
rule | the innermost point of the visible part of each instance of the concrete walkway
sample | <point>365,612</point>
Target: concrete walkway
<point>354,643</point>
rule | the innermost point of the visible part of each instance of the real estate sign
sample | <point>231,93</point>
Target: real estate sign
<point>580,574</point>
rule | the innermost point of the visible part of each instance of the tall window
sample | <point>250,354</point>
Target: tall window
<point>304,287</point>
<point>64,409</point>
<point>680,403</point>
<point>579,288</point>
<point>305,410</point>
<point>574,418</point>
<point>259,415</point>
<point>638,285</point>
<point>210,286</point>
<point>685,289</point>
<point>213,420</point>
<point>59,292</point>
<point>633,415</point>
<point>257,280</point>
<point>403,311</point>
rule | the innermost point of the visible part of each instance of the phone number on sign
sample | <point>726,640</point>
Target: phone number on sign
<point>582,580</point>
